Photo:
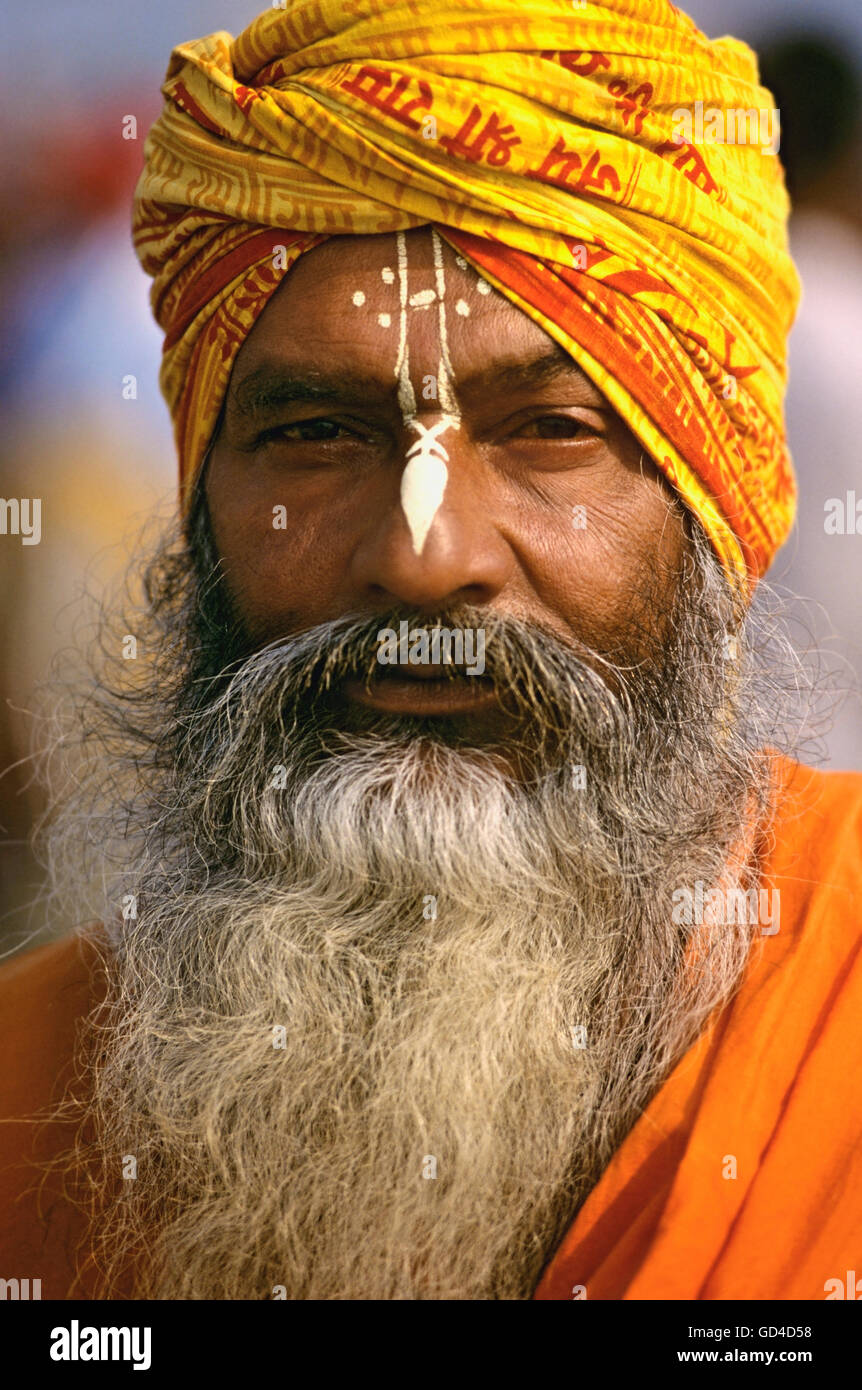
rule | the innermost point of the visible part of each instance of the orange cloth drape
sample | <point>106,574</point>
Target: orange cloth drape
<point>772,1084</point>
<point>44,994</point>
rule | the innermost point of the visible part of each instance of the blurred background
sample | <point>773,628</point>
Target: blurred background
<point>98,449</point>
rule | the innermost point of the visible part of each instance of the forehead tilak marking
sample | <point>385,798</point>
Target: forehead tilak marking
<point>423,482</point>
<point>445,378</point>
<point>406,396</point>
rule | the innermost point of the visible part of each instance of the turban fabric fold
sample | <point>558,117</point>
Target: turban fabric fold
<point>544,141</point>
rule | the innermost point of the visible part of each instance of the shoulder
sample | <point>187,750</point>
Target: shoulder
<point>816,836</point>
<point>44,994</point>
<point>818,789</point>
<point>812,864</point>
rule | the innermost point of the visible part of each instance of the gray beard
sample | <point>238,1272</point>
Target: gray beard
<point>384,1008</point>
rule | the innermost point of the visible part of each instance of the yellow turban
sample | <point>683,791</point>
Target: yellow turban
<point>566,149</point>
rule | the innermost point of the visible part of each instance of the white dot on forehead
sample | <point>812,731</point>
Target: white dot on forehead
<point>462,308</point>
<point>358,298</point>
<point>482,286</point>
<point>387,274</point>
<point>384,320</point>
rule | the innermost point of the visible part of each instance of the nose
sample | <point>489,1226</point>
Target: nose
<point>464,558</point>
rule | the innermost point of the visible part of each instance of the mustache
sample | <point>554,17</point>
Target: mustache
<point>537,676</point>
<point>254,755</point>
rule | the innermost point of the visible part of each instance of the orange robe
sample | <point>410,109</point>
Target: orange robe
<point>43,995</point>
<point>773,1084</point>
<point>743,1177</point>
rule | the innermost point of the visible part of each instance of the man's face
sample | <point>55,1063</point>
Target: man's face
<point>315,422</point>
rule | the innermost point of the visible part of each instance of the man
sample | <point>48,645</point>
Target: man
<point>463,932</point>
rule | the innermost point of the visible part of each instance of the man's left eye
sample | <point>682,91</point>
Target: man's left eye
<point>553,427</point>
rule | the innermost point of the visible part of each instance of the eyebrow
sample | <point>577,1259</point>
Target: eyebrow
<point>273,385</point>
<point>531,372</point>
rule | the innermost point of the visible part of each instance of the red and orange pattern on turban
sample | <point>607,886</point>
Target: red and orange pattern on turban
<point>543,140</point>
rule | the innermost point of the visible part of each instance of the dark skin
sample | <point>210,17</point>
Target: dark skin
<point>536,439</point>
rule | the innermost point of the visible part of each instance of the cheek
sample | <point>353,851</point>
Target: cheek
<point>594,552</point>
<point>283,554</point>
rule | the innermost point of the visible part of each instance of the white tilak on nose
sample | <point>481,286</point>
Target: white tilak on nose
<point>424,479</point>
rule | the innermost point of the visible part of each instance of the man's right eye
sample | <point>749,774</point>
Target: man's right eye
<point>311,431</point>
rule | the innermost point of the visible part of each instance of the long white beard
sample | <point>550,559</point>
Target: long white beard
<point>395,1076</point>
<point>379,1026</point>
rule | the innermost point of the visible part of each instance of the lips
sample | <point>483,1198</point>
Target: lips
<point>426,672</point>
<point>423,690</point>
